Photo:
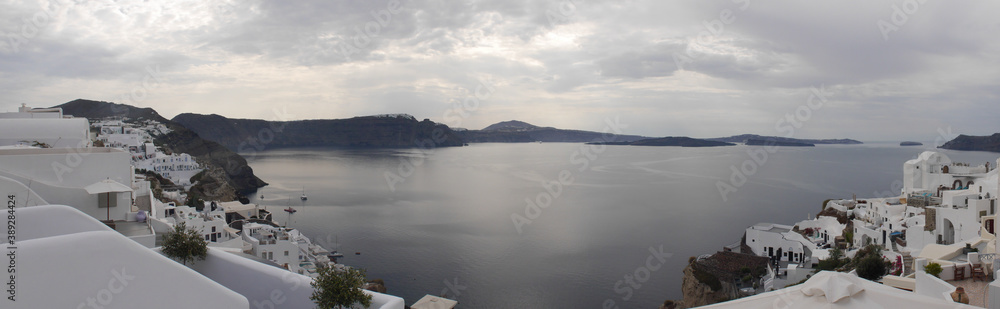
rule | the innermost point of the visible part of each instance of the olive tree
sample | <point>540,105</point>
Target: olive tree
<point>339,288</point>
<point>184,244</point>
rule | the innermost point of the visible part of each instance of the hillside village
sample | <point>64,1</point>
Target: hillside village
<point>88,189</point>
<point>945,215</point>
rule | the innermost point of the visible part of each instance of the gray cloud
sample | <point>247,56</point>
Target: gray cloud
<point>553,63</point>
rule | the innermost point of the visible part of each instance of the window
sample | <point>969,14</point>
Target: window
<point>213,229</point>
<point>286,252</point>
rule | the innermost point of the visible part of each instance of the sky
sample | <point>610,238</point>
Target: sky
<point>873,70</point>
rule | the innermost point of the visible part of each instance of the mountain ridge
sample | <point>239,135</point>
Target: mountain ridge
<point>742,138</point>
<point>516,131</point>
<point>989,143</point>
<point>232,167</point>
<point>380,131</point>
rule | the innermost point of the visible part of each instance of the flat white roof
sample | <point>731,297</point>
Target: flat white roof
<point>70,260</point>
<point>434,302</point>
<point>236,206</point>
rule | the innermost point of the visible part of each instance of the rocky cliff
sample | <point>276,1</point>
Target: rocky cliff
<point>228,173</point>
<point>714,279</point>
<point>697,293</point>
<point>674,141</point>
<point>975,143</point>
<point>522,132</point>
<point>395,131</point>
<point>744,137</point>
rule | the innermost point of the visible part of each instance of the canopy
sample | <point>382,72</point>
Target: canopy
<point>839,290</point>
<point>106,186</point>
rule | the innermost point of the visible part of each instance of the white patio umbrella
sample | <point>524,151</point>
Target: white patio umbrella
<point>107,186</point>
<point>839,290</point>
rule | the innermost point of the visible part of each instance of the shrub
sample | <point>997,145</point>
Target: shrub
<point>184,244</point>
<point>872,267</point>
<point>934,269</point>
<point>708,279</point>
<point>339,288</point>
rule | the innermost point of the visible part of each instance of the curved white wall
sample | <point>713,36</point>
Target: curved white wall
<point>268,286</point>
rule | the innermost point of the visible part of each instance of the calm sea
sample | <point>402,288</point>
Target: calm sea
<point>441,222</point>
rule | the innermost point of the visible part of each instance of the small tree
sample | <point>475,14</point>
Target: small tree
<point>339,288</point>
<point>872,267</point>
<point>184,244</point>
<point>933,269</point>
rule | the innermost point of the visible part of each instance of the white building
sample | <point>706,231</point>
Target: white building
<point>110,271</point>
<point>211,224</point>
<point>179,168</point>
<point>67,259</point>
<point>781,243</point>
<point>60,176</point>
<point>932,172</point>
<point>273,243</point>
<point>44,128</point>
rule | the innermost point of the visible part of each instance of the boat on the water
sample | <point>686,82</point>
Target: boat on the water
<point>290,210</point>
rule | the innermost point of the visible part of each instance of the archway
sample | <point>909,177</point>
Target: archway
<point>948,233</point>
<point>957,184</point>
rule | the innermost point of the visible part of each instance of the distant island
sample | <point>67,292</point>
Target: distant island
<point>762,142</point>
<point>974,143</point>
<point>674,141</point>
<point>381,131</point>
<point>746,137</point>
<point>515,131</point>
<point>911,144</point>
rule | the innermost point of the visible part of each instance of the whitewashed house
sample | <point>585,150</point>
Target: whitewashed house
<point>779,242</point>
<point>273,243</point>
<point>43,128</point>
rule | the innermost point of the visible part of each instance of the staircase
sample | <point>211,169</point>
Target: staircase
<point>907,264</point>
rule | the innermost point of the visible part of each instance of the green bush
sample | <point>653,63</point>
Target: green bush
<point>184,244</point>
<point>708,279</point>
<point>872,267</point>
<point>934,269</point>
<point>339,289</point>
<point>834,262</point>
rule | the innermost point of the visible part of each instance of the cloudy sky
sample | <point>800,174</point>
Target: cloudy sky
<point>889,69</point>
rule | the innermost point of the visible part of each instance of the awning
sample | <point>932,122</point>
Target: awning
<point>106,186</point>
